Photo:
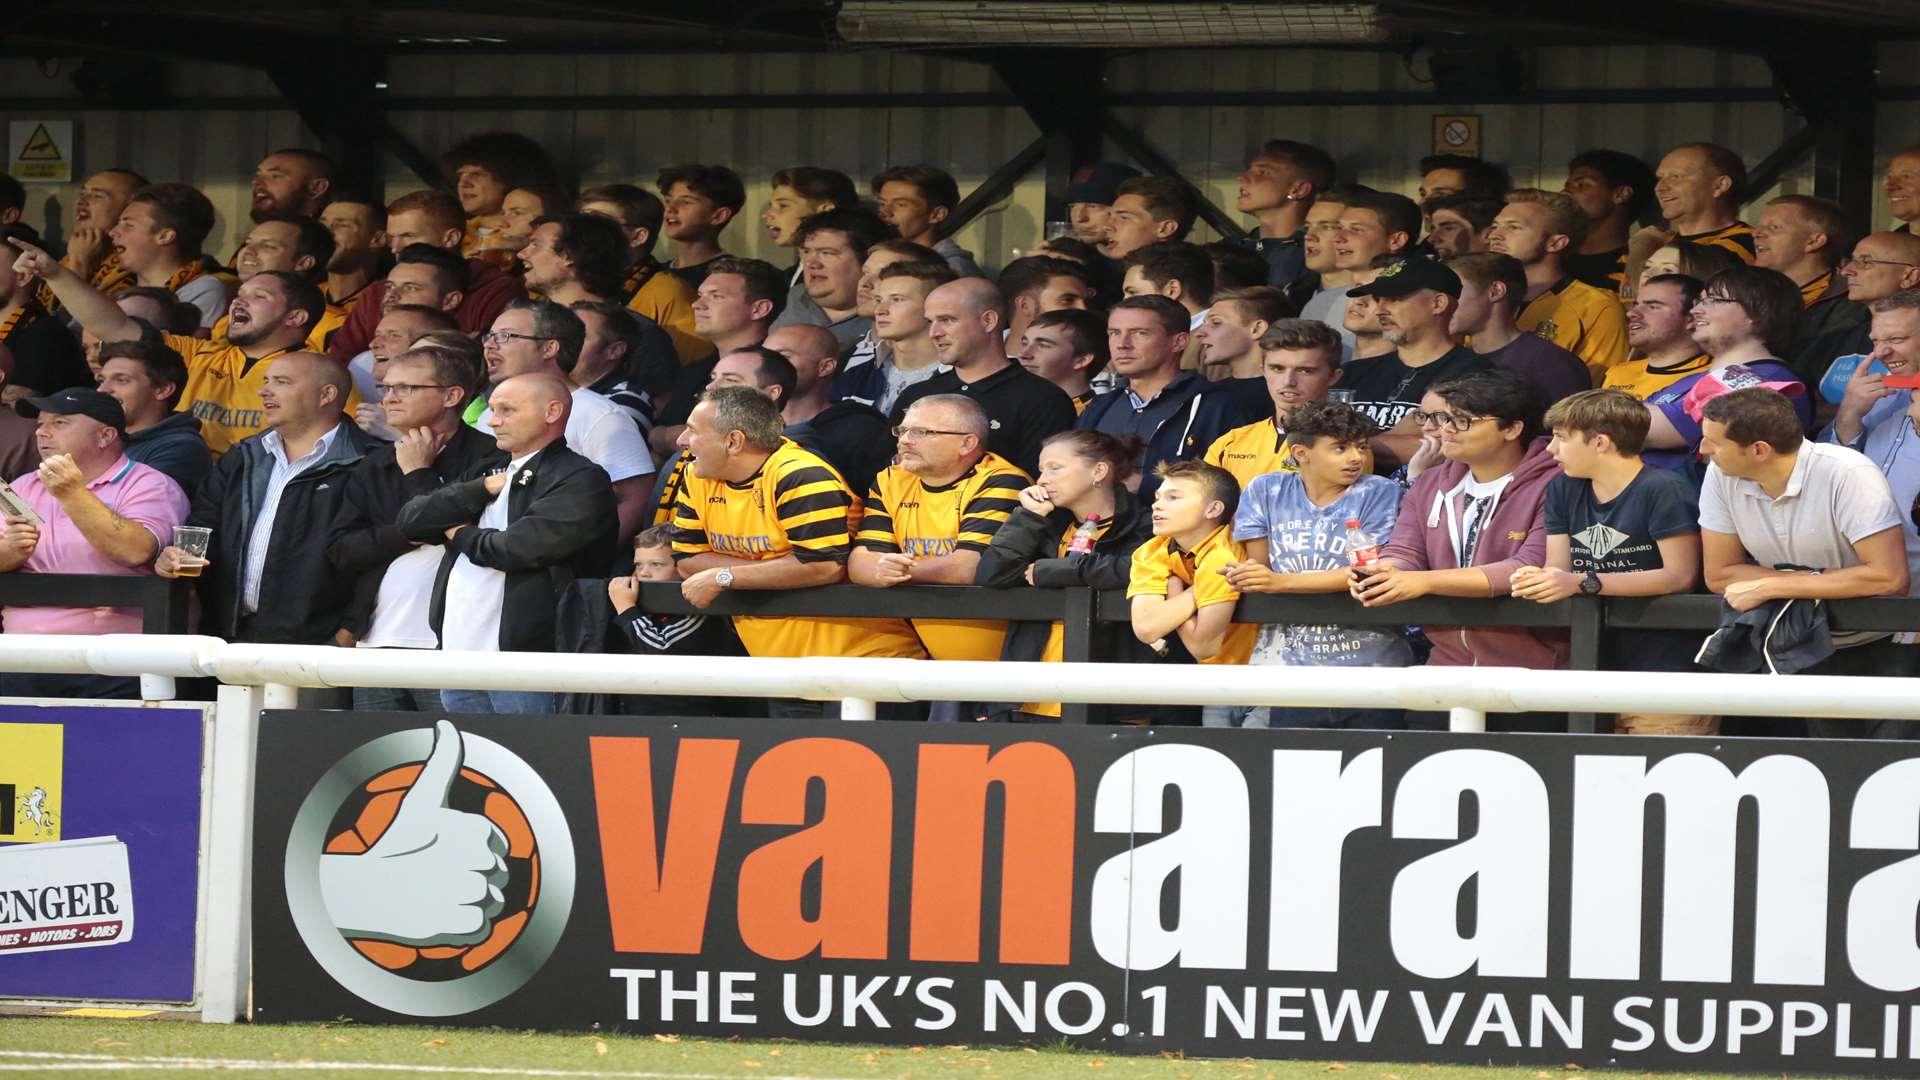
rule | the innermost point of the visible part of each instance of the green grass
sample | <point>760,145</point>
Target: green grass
<point>246,1051</point>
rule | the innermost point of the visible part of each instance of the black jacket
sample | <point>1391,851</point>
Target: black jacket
<point>1208,411</point>
<point>366,535</point>
<point>1029,539</point>
<point>175,447</point>
<point>561,524</point>
<point>854,438</point>
<point>301,603</point>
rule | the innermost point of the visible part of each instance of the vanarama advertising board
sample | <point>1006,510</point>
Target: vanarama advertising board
<point>1637,903</point>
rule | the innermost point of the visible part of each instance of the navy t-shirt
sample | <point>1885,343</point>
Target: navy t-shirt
<point>1622,536</point>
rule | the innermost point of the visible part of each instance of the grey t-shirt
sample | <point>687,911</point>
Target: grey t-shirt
<point>1834,498</point>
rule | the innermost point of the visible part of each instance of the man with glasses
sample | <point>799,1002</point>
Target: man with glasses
<point>1743,321</point>
<point>541,336</point>
<point>929,518</point>
<point>423,395</point>
<point>1882,264</point>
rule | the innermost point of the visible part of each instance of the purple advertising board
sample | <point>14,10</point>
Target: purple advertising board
<point>99,851</point>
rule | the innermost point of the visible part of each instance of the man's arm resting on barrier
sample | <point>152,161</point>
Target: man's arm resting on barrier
<point>1556,581</point>
<point>1392,585</point>
<point>785,572</point>
<point>1255,576</point>
<point>1882,572</point>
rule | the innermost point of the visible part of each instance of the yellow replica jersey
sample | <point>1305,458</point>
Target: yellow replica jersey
<point>795,505</point>
<point>1253,450</point>
<point>1813,291</point>
<point>1585,321</point>
<point>904,515</point>
<point>1162,558</point>
<point>1642,381</point>
<point>668,300</point>
<point>1737,238</point>
<point>223,389</point>
<point>1055,650</point>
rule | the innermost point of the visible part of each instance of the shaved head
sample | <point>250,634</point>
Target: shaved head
<point>978,295</point>
<point>804,339</point>
<point>320,370</point>
<point>529,412</point>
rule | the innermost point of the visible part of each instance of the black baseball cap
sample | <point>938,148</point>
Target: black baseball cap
<point>1100,182</point>
<point>1409,276</point>
<point>76,401</point>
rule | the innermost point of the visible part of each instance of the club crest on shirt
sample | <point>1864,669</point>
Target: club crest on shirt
<point>1547,330</point>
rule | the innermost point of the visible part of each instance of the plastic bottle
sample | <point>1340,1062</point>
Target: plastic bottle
<point>1363,552</point>
<point>1084,536</point>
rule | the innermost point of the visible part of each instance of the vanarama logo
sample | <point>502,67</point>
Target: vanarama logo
<point>430,872</point>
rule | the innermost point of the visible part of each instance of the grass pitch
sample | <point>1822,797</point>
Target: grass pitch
<point>71,1047</point>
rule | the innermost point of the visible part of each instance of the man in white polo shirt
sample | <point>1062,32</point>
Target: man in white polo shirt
<point>1773,499</point>
<point>541,336</point>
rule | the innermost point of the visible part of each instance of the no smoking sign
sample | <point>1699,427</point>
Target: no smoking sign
<point>1456,135</point>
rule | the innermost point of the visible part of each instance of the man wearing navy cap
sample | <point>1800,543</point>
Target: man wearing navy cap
<point>1416,300</point>
<point>1091,195</point>
<point>87,509</point>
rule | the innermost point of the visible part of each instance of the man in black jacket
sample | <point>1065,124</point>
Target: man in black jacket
<point>426,390</point>
<point>516,538</point>
<point>268,579</point>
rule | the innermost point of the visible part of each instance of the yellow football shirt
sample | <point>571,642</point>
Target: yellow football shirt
<point>795,505</point>
<point>1585,321</point>
<point>1643,381</point>
<point>1737,238</point>
<point>668,300</point>
<point>903,514</point>
<point>1160,559</point>
<point>223,389</point>
<point>1252,450</point>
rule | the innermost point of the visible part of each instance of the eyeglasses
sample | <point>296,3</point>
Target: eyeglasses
<point>1868,262</point>
<point>400,389</point>
<point>1450,421</point>
<point>915,434</point>
<point>495,337</point>
<point>1709,301</point>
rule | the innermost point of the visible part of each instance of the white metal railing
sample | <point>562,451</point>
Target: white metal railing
<point>268,676</point>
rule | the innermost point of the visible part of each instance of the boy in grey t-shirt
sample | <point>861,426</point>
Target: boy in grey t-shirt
<point>1294,528</point>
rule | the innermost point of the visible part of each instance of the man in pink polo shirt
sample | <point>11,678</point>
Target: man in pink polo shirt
<point>101,513</point>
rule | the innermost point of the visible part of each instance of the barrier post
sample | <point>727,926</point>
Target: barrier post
<point>1586,625</point>
<point>1461,718</point>
<point>1076,643</point>
<point>229,855</point>
<point>854,708</point>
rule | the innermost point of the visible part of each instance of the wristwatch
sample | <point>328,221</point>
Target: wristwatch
<point>724,578</point>
<point>1590,585</point>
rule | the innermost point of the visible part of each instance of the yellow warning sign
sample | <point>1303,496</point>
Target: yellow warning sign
<point>40,146</point>
<point>40,151</point>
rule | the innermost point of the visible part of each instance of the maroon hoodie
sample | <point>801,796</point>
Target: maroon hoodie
<point>488,292</point>
<point>1514,535</point>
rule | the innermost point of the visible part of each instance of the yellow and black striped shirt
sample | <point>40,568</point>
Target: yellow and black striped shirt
<point>1737,238</point>
<point>796,504</point>
<point>904,515</point>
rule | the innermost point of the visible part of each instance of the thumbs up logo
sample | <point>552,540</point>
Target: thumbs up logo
<point>430,872</point>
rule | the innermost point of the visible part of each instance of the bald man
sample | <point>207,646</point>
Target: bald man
<point>965,320</point>
<point>265,576</point>
<point>1881,264</point>
<point>515,539</point>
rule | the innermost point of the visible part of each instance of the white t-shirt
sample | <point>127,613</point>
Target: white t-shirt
<point>475,593</point>
<point>603,433</point>
<point>209,294</point>
<point>406,593</point>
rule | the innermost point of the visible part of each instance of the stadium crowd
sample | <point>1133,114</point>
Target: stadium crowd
<point>480,419</point>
